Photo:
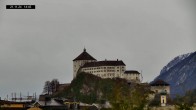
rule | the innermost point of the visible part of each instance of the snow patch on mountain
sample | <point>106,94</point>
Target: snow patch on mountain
<point>174,62</point>
<point>180,73</point>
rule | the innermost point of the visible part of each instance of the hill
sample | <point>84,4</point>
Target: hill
<point>90,89</point>
<point>180,73</point>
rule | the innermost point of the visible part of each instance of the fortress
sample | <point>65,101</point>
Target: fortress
<point>104,69</point>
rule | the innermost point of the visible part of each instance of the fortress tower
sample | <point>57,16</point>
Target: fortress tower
<point>79,61</point>
<point>104,69</point>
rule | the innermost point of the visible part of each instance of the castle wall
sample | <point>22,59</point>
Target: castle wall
<point>159,89</point>
<point>106,71</point>
<point>132,77</point>
<point>77,64</point>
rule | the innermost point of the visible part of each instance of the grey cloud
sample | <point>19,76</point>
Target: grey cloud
<point>38,45</point>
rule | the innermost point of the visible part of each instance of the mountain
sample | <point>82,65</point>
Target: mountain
<point>180,73</point>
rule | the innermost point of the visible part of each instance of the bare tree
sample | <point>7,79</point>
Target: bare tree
<point>54,85</point>
<point>47,88</point>
<point>51,87</point>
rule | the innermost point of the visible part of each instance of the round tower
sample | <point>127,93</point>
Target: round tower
<point>79,61</point>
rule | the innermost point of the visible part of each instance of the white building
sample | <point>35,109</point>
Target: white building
<point>79,61</point>
<point>132,76</point>
<point>104,69</point>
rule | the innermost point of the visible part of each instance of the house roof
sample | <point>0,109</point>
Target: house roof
<point>159,83</point>
<point>84,56</point>
<point>52,102</point>
<point>104,63</point>
<point>131,72</point>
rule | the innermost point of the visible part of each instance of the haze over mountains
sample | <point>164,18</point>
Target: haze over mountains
<point>180,73</point>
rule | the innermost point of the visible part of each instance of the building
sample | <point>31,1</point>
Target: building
<point>47,103</point>
<point>163,99</point>
<point>79,61</point>
<point>12,105</point>
<point>104,69</point>
<point>160,86</point>
<point>132,76</point>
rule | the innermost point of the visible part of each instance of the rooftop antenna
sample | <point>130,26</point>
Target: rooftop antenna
<point>35,96</point>
<point>27,95</point>
<point>15,96</point>
<point>7,97</point>
<point>84,49</point>
<point>20,96</point>
<point>141,77</point>
<point>12,96</point>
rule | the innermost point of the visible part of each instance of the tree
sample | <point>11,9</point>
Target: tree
<point>134,98</point>
<point>47,88</point>
<point>54,85</point>
<point>51,87</point>
<point>185,102</point>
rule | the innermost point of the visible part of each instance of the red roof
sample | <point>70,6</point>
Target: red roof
<point>84,56</point>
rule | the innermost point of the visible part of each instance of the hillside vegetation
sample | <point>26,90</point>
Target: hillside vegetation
<point>189,98</point>
<point>90,89</point>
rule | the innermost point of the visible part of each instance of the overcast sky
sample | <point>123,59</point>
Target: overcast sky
<point>39,45</point>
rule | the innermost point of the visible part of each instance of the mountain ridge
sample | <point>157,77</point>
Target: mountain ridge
<point>180,73</point>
